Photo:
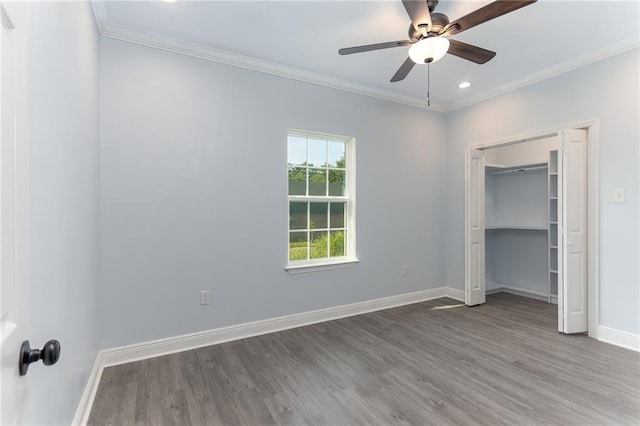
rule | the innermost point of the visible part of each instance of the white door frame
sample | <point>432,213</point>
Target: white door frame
<point>593,203</point>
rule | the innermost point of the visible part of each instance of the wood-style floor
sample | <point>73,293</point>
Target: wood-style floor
<point>431,363</point>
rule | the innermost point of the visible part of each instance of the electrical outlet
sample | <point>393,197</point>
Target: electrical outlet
<point>205,297</point>
<point>405,270</point>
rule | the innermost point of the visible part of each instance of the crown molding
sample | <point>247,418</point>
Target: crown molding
<point>157,41</point>
<point>552,71</point>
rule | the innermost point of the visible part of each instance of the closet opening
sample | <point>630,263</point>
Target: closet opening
<point>520,218</point>
<point>526,223</point>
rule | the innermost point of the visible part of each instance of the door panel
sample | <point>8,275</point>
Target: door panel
<point>474,229</point>
<point>572,301</point>
<point>13,241</point>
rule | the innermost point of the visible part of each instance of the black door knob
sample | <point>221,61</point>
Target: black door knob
<point>49,354</point>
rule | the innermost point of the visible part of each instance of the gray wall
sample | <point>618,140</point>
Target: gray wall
<point>61,111</point>
<point>194,195</point>
<point>517,259</point>
<point>607,90</point>
<point>518,199</point>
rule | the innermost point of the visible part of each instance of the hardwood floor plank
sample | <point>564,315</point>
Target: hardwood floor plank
<point>116,392</point>
<point>197,394</point>
<point>437,362</point>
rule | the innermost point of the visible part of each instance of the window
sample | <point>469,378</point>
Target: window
<point>321,189</point>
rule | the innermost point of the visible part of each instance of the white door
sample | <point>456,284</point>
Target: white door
<point>474,228</point>
<point>572,285</point>
<point>13,237</point>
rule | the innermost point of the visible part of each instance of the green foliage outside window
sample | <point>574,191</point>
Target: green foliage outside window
<point>318,247</point>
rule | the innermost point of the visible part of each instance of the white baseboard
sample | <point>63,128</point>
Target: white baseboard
<point>454,293</point>
<point>520,291</point>
<point>619,338</point>
<point>151,349</point>
<point>86,401</point>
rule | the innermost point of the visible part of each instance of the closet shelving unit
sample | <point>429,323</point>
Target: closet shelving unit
<point>553,226</point>
<point>537,224</point>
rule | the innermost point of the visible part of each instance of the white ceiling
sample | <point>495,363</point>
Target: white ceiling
<point>535,42</point>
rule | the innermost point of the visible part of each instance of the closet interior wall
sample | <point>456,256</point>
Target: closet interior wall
<point>517,218</point>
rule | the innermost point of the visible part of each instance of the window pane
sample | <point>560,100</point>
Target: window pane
<point>297,151</point>
<point>297,180</point>
<point>298,246</point>
<point>317,153</point>
<point>317,181</point>
<point>318,246</point>
<point>336,243</point>
<point>337,215</point>
<point>336,182</point>
<point>297,215</point>
<point>318,215</point>
<point>336,154</point>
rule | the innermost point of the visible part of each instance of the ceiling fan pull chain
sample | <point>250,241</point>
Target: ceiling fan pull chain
<point>428,84</point>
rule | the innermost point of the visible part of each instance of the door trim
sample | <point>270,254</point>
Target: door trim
<point>593,203</point>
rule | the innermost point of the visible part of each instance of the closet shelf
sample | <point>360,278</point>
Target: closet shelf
<point>553,271</point>
<point>492,169</point>
<point>517,227</point>
<point>553,247</point>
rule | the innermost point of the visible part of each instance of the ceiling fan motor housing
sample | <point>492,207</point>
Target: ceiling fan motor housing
<point>439,22</point>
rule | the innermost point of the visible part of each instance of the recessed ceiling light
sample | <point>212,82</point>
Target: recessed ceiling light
<point>169,1</point>
<point>464,85</point>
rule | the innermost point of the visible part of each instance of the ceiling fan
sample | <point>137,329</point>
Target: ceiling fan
<point>428,32</point>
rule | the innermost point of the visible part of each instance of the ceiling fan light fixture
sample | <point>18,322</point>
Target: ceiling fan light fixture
<point>428,50</point>
<point>464,85</point>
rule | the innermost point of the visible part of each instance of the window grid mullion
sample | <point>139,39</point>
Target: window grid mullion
<point>326,182</point>
<point>308,230</point>
<point>328,224</point>
<point>328,243</point>
<point>318,199</point>
<point>326,170</point>
<point>306,162</point>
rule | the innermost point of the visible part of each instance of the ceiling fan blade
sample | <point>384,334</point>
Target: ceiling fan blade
<point>377,46</point>
<point>484,14</point>
<point>418,11</point>
<point>470,52</point>
<point>403,71</point>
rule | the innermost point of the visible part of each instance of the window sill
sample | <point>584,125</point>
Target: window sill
<point>321,266</point>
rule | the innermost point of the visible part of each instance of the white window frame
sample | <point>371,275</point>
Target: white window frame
<point>350,258</point>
